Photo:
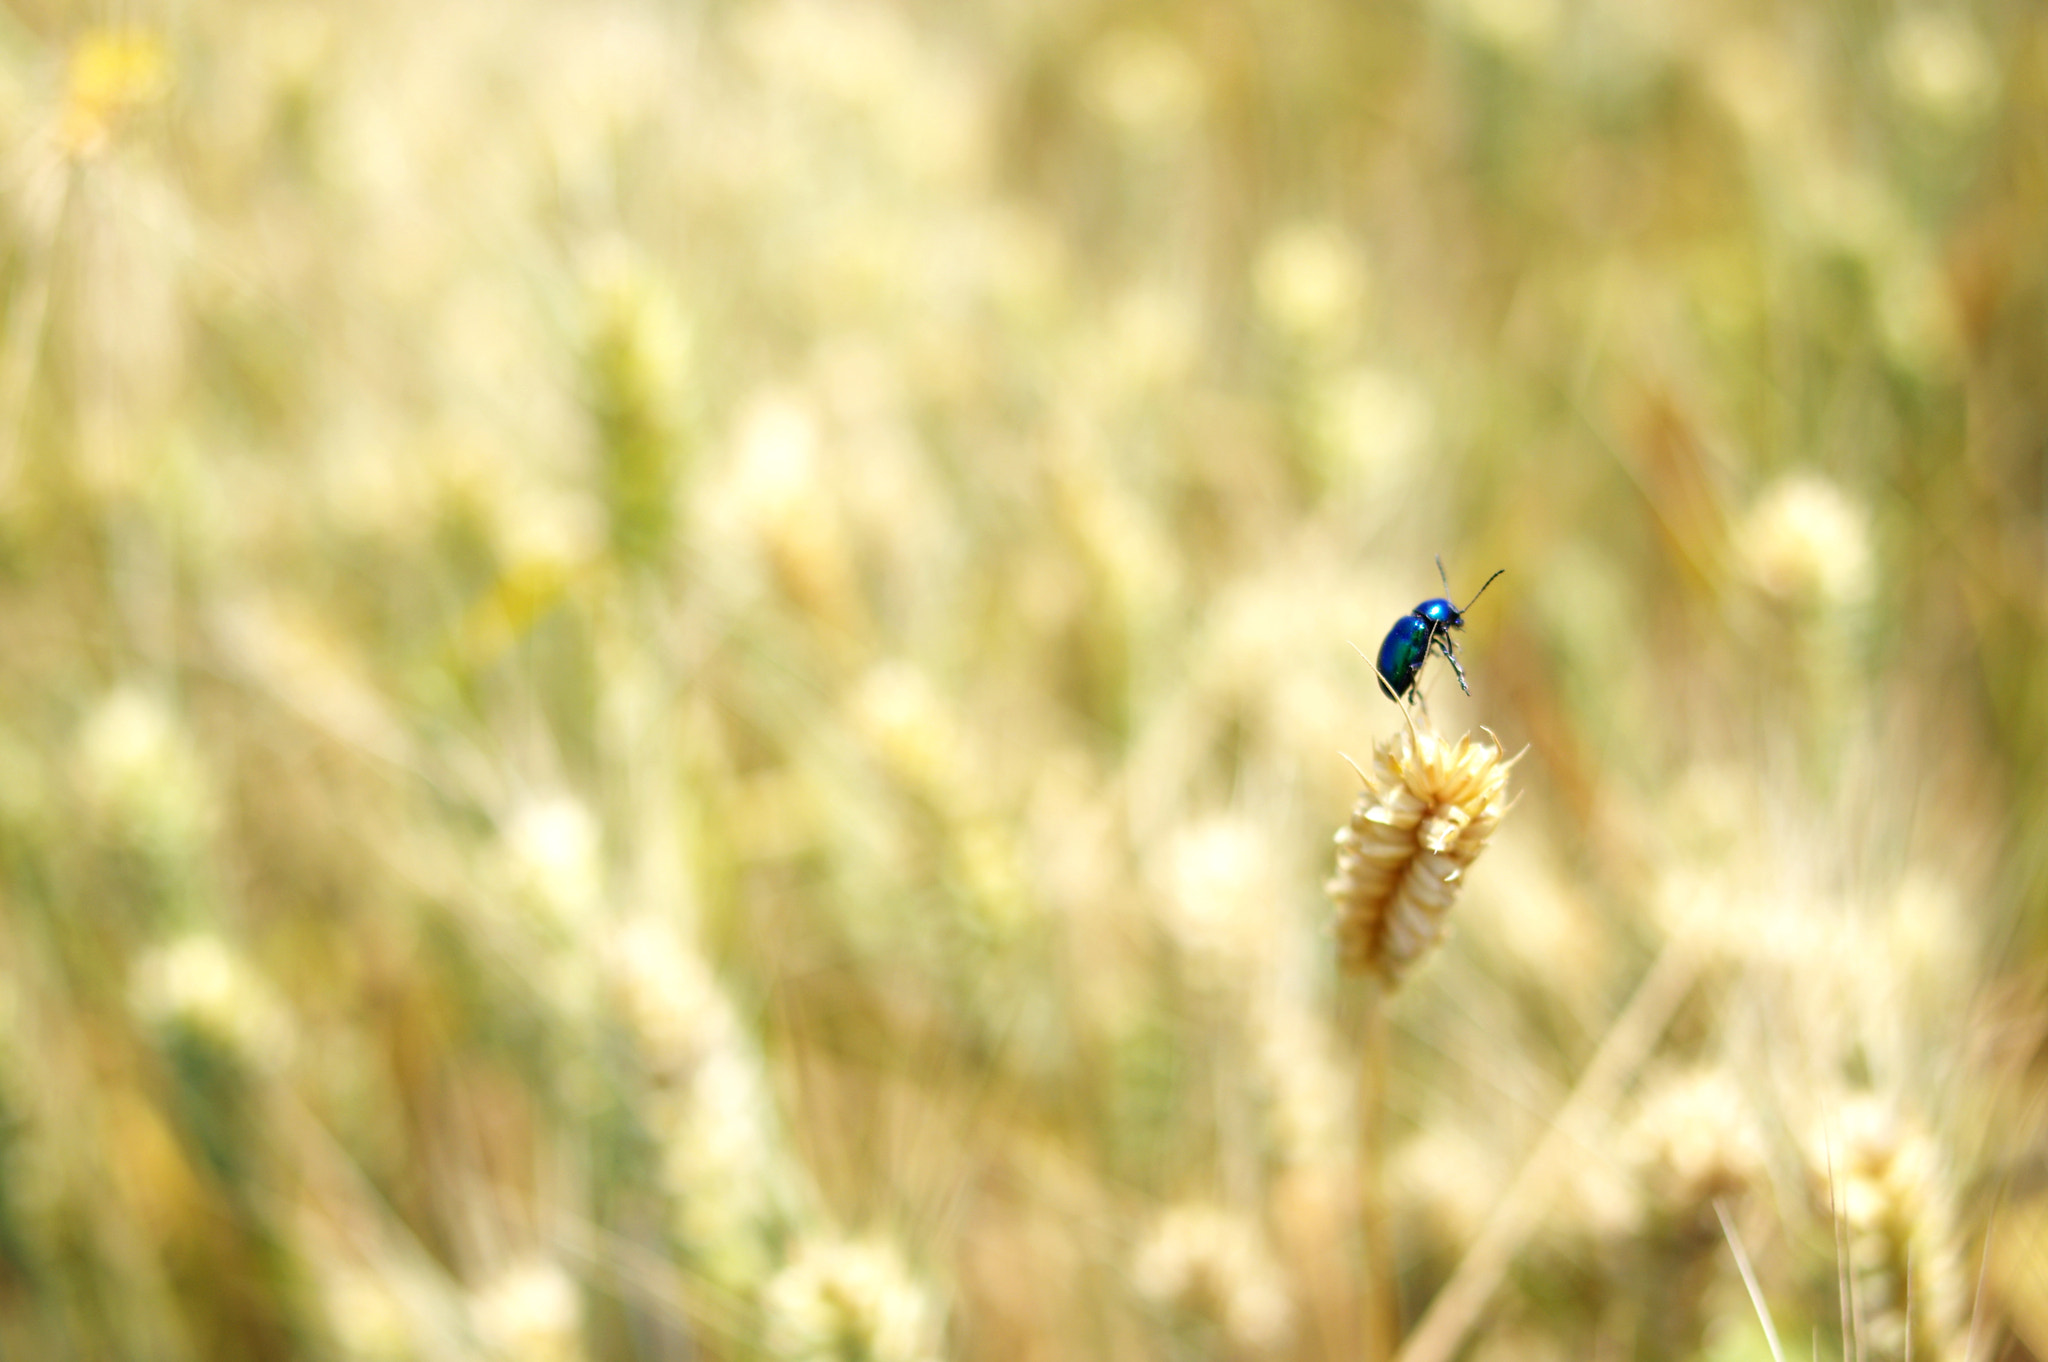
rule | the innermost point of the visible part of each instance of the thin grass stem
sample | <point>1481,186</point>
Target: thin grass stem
<point>1381,1295</point>
<point>1749,1282</point>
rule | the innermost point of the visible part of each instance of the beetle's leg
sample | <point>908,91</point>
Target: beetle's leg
<point>1443,645</point>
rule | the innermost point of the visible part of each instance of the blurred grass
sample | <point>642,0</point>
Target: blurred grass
<point>673,674</point>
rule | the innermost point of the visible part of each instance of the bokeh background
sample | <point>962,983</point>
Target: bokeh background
<point>672,675</point>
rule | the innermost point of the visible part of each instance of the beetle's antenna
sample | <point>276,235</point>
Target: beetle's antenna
<point>1447,577</point>
<point>1475,595</point>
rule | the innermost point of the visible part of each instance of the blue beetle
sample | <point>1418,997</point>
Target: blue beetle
<point>1408,643</point>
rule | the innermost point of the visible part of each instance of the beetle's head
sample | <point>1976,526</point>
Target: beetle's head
<point>1441,612</point>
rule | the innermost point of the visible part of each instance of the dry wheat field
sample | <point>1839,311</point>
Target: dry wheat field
<point>695,680</point>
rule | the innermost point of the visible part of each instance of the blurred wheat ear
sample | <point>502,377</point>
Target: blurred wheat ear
<point>1887,1187</point>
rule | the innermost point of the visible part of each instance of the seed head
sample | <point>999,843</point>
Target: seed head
<point>1694,1138</point>
<point>1890,1187</point>
<point>1428,807</point>
<point>848,1299</point>
<point>1206,1262</point>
